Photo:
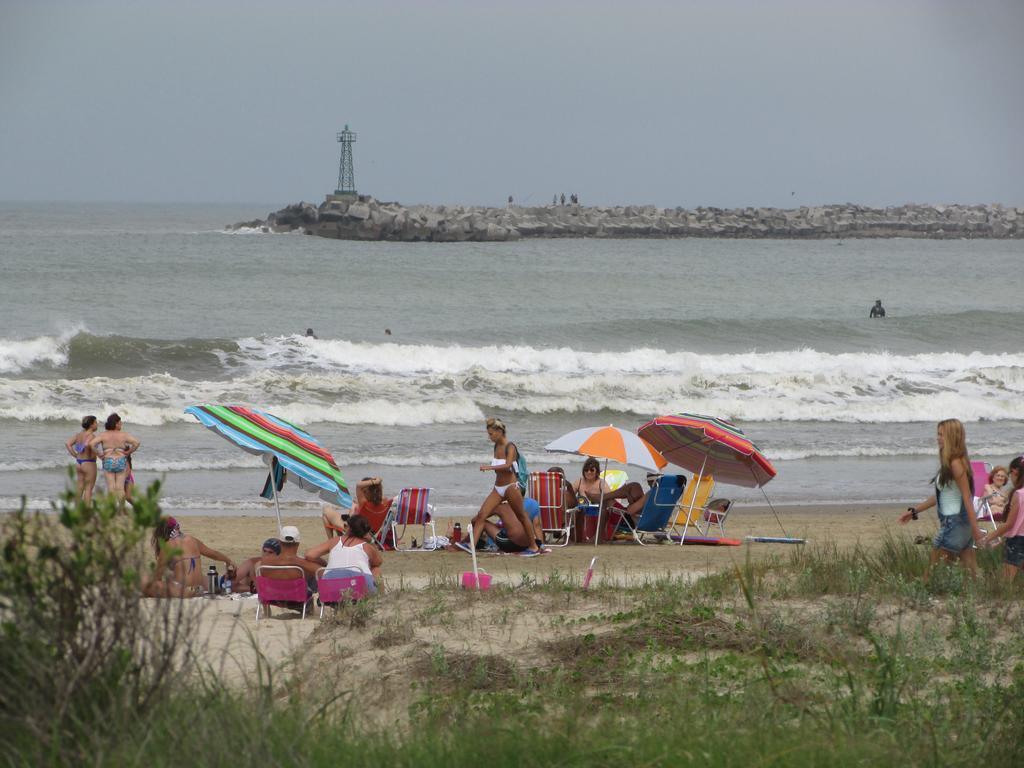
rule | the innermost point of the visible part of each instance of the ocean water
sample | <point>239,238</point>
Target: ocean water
<point>146,309</point>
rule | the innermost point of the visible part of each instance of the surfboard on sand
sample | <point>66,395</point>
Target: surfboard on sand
<point>776,540</point>
<point>709,541</point>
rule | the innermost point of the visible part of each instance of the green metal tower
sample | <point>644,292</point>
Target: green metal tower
<point>346,172</point>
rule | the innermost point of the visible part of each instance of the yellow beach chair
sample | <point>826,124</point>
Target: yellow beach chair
<point>693,504</point>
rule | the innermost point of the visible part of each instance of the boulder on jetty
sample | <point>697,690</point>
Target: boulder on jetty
<point>365,218</point>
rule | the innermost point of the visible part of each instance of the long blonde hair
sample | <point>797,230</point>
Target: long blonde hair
<point>954,446</point>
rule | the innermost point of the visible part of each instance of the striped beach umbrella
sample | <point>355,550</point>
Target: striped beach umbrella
<point>706,445</point>
<point>611,444</point>
<point>283,446</point>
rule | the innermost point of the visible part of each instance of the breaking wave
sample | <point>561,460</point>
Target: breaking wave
<point>307,381</point>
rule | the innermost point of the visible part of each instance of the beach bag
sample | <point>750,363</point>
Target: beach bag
<point>522,473</point>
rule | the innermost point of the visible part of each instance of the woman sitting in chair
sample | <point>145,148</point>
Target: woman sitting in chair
<point>353,553</point>
<point>591,486</point>
<point>997,492</point>
<point>370,503</point>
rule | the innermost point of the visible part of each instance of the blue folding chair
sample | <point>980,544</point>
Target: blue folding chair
<point>656,515</point>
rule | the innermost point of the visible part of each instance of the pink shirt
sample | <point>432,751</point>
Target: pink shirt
<point>1018,525</point>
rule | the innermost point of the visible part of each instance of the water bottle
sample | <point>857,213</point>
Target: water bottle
<point>225,584</point>
<point>211,579</point>
<point>457,533</point>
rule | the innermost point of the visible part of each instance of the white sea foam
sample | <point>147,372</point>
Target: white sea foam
<point>309,381</point>
<point>17,355</point>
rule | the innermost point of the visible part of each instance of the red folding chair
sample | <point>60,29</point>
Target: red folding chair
<point>412,508</point>
<point>548,489</point>
<point>277,584</point>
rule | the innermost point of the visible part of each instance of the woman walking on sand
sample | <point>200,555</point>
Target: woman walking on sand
<point>954,496</point>
<point>506,488</point>
<point>115,446</point>
<point>85,458</point>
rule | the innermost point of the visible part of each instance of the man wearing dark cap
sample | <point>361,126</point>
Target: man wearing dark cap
<point>245,574</point>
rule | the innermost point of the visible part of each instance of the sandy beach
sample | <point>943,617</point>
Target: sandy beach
<point>842,524</point>
<point>414,580</point>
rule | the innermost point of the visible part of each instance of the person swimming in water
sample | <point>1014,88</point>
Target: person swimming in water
<point>878,310</point>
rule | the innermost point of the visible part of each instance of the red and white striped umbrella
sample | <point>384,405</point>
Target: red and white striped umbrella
<point>706,445</point>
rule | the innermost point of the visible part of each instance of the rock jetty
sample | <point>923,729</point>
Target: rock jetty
<point>364,218</point>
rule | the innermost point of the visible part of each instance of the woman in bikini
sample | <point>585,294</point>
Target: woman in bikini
<point>85,458</point>
<point>503,465</point>
<point>179,562</point>
<point>114,446</point>
<point>370,503</point>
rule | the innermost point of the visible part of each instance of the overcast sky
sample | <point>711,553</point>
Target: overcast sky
<point>724,103</point>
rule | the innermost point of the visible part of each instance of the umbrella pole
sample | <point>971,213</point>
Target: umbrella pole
<point>273,485</point>
<point>600,506</point>
<point>472,551</point>
<point>693,498</point>
<point>770,505</point>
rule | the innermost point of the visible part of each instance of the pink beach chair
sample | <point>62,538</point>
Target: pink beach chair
<point>276,584</point>
<point>412,508</point>
<point>339,588</point>
<point>980,471</point>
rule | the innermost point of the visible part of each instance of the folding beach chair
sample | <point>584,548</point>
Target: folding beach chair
<point>379,517</point>
<point>714,513</point>
<point>693,505</point>
<point>658,508</point>
<point>412,508</point>
<point>338,589</point>
<point>277,584</point>
<point>548,489</point>
<point>980,471</point>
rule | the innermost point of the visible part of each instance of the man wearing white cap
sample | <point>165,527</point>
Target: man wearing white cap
<point>290,538</point>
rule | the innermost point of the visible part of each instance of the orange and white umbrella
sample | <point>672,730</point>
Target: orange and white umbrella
<point>610,443</point>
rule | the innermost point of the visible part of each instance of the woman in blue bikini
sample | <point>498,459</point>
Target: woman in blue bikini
<point>114,446</point>
<point>85,458</point>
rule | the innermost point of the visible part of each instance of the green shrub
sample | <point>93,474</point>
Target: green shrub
<point>80,652</point>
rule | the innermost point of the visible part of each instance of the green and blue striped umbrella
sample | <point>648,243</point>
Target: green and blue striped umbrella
<point>282,445</point>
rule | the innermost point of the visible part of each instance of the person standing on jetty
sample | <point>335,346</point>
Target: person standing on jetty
<point>114,446</point>
<point>954,496</point>
<point>85,458</point>
<point>506,487</point>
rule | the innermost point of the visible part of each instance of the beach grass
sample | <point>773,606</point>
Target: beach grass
<point>825,656</point>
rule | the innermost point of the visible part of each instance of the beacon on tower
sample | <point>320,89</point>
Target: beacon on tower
<point>346,172</point>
